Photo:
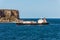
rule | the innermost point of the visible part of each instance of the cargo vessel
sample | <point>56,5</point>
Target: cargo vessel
<point>38,22</point>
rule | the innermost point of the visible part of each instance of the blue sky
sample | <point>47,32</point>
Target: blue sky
<point>33,8</point>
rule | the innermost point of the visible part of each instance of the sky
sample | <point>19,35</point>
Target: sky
<point>33,8</point>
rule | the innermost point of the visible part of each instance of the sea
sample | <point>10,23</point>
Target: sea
<point>12,31</point>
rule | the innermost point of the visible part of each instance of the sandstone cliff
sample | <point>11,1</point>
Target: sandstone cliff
<point>7,15</point>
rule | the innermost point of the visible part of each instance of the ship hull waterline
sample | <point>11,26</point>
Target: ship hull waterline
<point>32,23</point>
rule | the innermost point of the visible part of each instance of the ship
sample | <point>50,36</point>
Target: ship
<point>38,22</point>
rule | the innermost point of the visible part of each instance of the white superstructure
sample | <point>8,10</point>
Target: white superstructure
<point>40,21</point>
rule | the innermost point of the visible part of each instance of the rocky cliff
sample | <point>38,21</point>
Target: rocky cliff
<point>7,15</point>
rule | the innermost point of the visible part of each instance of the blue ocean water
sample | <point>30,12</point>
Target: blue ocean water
<point>11,31</point>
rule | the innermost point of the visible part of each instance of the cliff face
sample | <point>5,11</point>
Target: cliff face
<point>6,12</point>
<point>7,15</point>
